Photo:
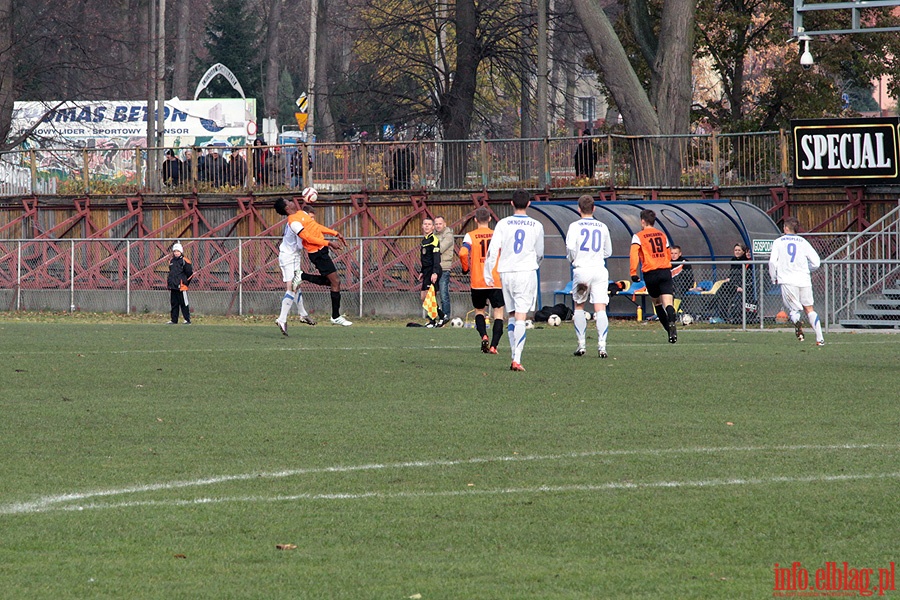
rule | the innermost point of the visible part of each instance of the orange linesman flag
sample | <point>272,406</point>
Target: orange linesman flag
<point>430,303</point>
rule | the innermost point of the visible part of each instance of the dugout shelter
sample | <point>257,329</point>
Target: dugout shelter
<point>706,230</point>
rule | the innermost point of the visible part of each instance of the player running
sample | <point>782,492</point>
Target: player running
<point>516,251</point>
<point>791,262</point>
<point>588,245</point>
<point>472,256</point>
<point>650,249</point>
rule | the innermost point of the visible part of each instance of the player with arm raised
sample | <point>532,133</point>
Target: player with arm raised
<point>791,263</point>
<point>472,255</point>
<point>650,250</point>
<point>516,250</point>
<point>588,245</point>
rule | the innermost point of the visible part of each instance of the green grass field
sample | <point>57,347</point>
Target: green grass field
<point>145,461</point>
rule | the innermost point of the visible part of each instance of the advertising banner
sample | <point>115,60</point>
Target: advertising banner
<point>123,124</point>
<point>845,151</point>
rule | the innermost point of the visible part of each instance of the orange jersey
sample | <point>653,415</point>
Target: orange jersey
<point>472,254</point>
<point>650,248</point>
<point>313,234</point>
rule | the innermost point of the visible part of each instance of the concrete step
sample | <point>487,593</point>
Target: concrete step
<point>873,313</point>
<point>867,324</point>
<point>884,304</point>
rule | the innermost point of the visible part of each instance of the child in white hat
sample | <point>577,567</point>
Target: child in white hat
<point>180,274</point>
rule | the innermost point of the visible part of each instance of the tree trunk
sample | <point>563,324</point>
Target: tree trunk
<point>270,85</point>
<point>455,112</point>
<point>7,71</point>
<point>182,61</point>
<point>668,112</point>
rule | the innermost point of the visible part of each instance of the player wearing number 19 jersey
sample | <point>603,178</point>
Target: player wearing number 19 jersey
<point>517,250</point>
<point>650,248</point>
<point>790,264</point>
<point>588,245</point>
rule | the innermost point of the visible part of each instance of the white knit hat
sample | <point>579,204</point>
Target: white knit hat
<point>177,247</point>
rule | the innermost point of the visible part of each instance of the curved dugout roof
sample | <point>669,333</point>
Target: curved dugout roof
<point>705,230</point>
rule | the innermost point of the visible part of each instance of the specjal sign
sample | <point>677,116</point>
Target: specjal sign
<point>846,151</point>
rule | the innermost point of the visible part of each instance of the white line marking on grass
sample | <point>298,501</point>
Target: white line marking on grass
<point>533,344</point>
<point>47,503</point>
<point>544,489</point>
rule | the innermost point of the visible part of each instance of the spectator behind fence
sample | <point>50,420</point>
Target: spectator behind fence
<point>171,169</point>
<point>585,157</point>
<point>403,163</point>
<point>259,156</point>
<point>187,166</point>
<point>276,167</point>
<point>731,294</point>
<point>237,169</point>
<point>682,273</point>
<point>216,168</point>
<point>297,168</point>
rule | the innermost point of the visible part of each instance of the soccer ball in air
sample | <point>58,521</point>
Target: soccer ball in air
<point>529,324</point>
<point>310,195</point>
<point>554,321</point>
<point>456,322</point>
<point>587,316</point>
<point>686,319</point>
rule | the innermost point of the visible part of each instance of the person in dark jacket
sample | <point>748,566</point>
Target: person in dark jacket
<point>180,274</point>
<point>260,155</point>
<point>431,267</point>
<point>172,169</point>
<point>237,169</point>
<point>404,163</point>
<point>585,157</point>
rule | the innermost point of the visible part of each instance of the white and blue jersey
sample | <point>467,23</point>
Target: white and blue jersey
<point>792,260</point>
<point>588,244</point>
<point>517,245</point>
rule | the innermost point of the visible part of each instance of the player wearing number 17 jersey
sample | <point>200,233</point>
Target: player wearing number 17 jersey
<point>472,256</point>
<point>588,246</point>
<point>650,249</point>
<point>516,250</point>
<point>790,264</point>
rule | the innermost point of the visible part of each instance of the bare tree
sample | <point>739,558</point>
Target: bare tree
<point>664,109</point>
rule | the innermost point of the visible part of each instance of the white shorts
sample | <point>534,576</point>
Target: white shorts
<point>519,290</point>
<point>597,280</point>
<point>289,263</point>
<point>795,298</point>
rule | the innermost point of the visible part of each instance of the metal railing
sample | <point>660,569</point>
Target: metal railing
<point>705,160</point>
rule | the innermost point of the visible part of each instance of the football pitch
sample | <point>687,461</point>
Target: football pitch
<point>378,461</point>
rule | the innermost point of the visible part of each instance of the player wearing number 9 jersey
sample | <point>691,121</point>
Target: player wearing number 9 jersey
<point>587,246</point>
<point>790,264</point>
<point>517,250</point>
<point>650,248</point>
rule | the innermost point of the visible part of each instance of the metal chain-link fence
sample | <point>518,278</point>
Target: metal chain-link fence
<point>240,276</point>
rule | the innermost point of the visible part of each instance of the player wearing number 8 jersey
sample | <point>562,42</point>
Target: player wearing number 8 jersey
<point>790,264</point>
<point>588,245</point>
<point>650,249</point>
<point>516,250</point>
